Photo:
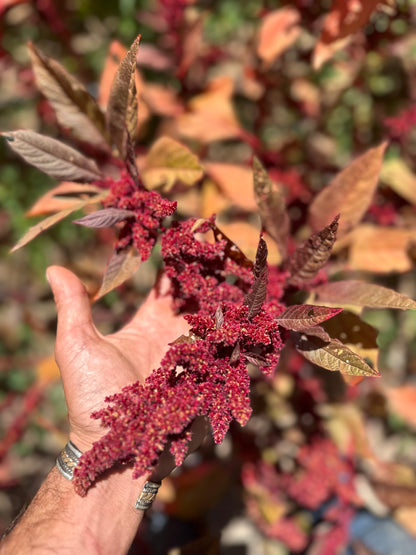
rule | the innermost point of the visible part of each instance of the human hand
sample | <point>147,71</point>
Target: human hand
<point>94,366</point>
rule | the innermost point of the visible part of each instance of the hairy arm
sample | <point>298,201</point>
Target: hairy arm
<point>60,522</point>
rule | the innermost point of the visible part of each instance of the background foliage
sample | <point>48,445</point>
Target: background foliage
<point>229,79</point>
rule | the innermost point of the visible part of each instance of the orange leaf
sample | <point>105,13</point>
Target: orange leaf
<point>246,237</point>
<point>161,100</point>
<point>61,197</point>
<point>278,31</point>
<point>116,53</point>
<point>403,402</point>
<point>236,182</point>
<point>379,249</point>
<point>211,116</point>
<point>35,230</point>
<point>350,193</point>
<point>212,199</point>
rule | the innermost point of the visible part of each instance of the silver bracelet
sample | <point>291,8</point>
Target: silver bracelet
<point>147,495</point>
<point>68,459</point>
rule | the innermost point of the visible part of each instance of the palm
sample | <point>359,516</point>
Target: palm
<point>93,366</point>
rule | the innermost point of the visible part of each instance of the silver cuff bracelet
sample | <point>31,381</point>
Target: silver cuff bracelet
<point>68,459</point>
<point>147,496</point>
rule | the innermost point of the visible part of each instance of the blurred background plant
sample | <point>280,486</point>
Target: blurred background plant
<point>323,466</point>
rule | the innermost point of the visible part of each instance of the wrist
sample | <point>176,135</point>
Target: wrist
<point>107,508</point>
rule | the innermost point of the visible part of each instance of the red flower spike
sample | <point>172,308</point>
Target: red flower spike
<point>149,209</point>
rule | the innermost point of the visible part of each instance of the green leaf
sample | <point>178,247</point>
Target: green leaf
<point>333,356</point>
<point>168,162</point>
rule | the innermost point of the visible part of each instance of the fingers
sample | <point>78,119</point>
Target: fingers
<point>72,303</point>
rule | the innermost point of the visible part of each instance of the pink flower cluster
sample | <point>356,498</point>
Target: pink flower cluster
<point>149,208</point>
<point>200,271</point>
<point>400,125</point>
<point>322,482</point>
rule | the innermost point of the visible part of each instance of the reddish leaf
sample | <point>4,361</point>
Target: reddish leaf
<point>271,204</point>
<point>350,193</point>
<point>235,355</point>
<point>279,30</point>
<point>121,267</point>
<point>231,250</point>
<point>257,360</point>
<point>312,255</point>
<point>345,18</point>
<point>131,160</point>
<point>349,328</point>
<point>302,316</point>
<point>74,106</point>
<point>333,356</point>
<point>122,105</point>
<point>52,156</point>
<point>363,294</point>
<point>258,292</point>
<point>318,332</point>
<point>105,218</point>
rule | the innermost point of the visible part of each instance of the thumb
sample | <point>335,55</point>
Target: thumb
<point>72,302</point>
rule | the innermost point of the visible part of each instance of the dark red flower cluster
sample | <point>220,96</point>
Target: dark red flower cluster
<point>149,208</point>
<point>203,374</point>
<point>201,273</point>
<point>199,376</point>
